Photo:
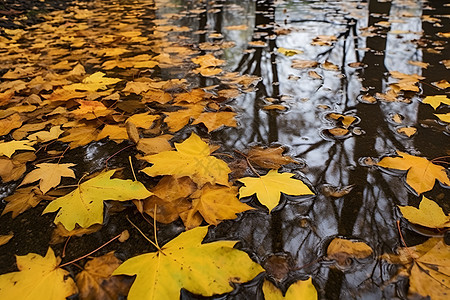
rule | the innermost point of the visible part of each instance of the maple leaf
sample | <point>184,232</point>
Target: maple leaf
<point>80,136</point>
<point>437,100</point>
<point>214,203</point>
<point>95,281</point>
<point>429,214</point>
<point>144,120</point>
<point>427,266</point>
<point>301,289</point>
<point>23,199</point>
<point>38,277</point>
<point>154,145</point>
<point>8,148</point>
<point>191,158</point>
<point>5,238</point>
<point>90,110</point>
<point>268,188</point>
<point>84,205</point>
<point>269,158</point>
<point>46,136</point>
<point>421,173</point>
<point>92,83</point>
<point>288,52</point>
<point>114,132</point>
<point>185,262</point>
<point>444,117</point>
<point>215,120</point>
<point>49,175</point>
<point>178,119</point>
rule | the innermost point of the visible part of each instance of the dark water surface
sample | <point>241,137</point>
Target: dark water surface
<point>291,241</point>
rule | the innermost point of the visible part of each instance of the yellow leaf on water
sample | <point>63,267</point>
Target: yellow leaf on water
<point>444,117</point>
<point>341,250</point>
<point>192,158</point>
<point>288,52</point>
<point>178,119</point>
<point>268,188</point>
<point>421,173</point>
<point>84,205</point>
<point>299,290</point>
<point>429,214</point>
<point>5,238</point>
<point>38,278</point>
<point>437,100</point>
<point>215,120</point>
<point>46,136</point>
<point>408,131</point>
<point>186,262</point>
<point>269,158</point>
<point>144,120</point>
<point>49,175</point>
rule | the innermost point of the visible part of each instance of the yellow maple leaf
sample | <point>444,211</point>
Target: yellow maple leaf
<point>80,136</point>
<point>23,199</point>
<point>437,100</point>
<point>9,123</point>
<point>38,278</point>
<point>215,120</point>
<point>214,203</point>
<point>5,238</point>
<point>421,173</point>
<point>178,119</point>
<point>92,83</point>
<point>301,289</point>
<point>191,158</point>
<point>84,205</point>
<point>13,168</point>
<point>185,262</point>
<point>429,214</point>
<point>444,117</point>
<point>154,145</point>
<point>341,250</point>
<point>288,52</point>
<point>144,120</point>
<point>268,188</point>
<point>8,148</point>
<point>46,136</point>
<point>90,110</point>
<point>49,175</point>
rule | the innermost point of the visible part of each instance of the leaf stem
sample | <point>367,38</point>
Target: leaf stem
<point>77,259</point>
<point>150,241</point>
<point>132,169</point>
<point>248,163</point>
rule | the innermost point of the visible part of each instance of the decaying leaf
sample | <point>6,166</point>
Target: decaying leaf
<point>8,148</point>
<point>268,188</point>
<point>5,238</point>
<point>49,175</point>
<point>13,168</point>
<point>301,289</point>
<point>421,173</point>
<point>96,282</point>
<point>60,234</point>
<point>215,120</point>
<point>192,158</point>
<point>429,214</point>
<point>185,262</point>
<point>37,277</point>
<point>84,205</point>
<point>269,158</point>
<point>341,250</point>
<point>23,199</point>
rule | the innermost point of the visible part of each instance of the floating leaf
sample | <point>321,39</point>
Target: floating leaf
<point>421,173</point>
<point>288,52</point>
<point>269,158</point>
<point>437,100</point>
<point>301,289</point>
<point>341,250</point>
<point>429,214</point>
<point>268,188</point>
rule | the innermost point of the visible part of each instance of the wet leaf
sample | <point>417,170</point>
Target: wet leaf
<point>84,205</point>
<point>269,158</point>
<point>95,281</point>
<point>442,84</point>
<point>437,100</point>
<point>304,64</point>
<point>154,145</point>
<point>429,214</point>
<point>38,278</point>
<point>5,239</point>
<point>301,289</point>
<point>60,234</point>
<point>185,262</point>
<point>421,173</point>
<point>92,83</point>
<point>13,168</point>
<point>191,158</point>
<point>408,131</point>
<point>215,120</point>
<point>23,199</point>
<point>8,148</point>
<point>46,136</point>
<point>288,52</point>
<point>49,175</point>
<point>9,123</point>
<point>268,188</point>
<point>341,250</point>
<point>444,117</point>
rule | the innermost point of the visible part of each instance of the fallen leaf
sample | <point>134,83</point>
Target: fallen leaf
<point>288,52</point>
<point>268,188</point>
<point>269,158</point>
<point>46,136</point>
<point>345,120</point>
<point>144,120</point>
<point>49,175</point>
<point>215,204</point>
<point>304,64</point>
<point>84,205</point>
<point>329,66</point>
<point>37,276</point>
<point>215,120</point>
<point>185,262</point>
<point>8,148</point>
<point>442,84</point>
<point>191,158</point>
<point>60,234</point>
<point>408,131</point>
<point>178,119</point>
<point>96,282</point>
<point>12,169</point>
<point>301,289</point>
<point>80,136</point>
<point>429,214</point>
<point>23,199</point>
<point>421,173</point>
<point>437,100</point>
<point>9,123</point>
<point>341,250</point>
<point>92,83</point>
<point>154,145</point>
<point>90,110</point>
<point>444,117</point>
<point>5,239</point>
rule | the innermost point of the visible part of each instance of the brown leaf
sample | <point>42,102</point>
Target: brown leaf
<point>23,199</point>
<point>13,168</point>
<point>269,158</point>
<point>10,123</point>
<point>342,250</point>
